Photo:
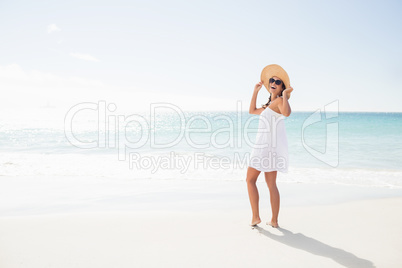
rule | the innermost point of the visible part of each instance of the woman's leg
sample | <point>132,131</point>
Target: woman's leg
<point>270,178</point>
<point>252,175</point>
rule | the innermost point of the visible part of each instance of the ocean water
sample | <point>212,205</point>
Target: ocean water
<point>344,148</point>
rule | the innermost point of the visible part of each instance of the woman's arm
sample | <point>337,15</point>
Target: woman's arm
<point>284,107</point>
<point>253,106</point>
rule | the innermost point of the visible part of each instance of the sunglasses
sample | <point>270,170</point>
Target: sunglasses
<point>278,82</point>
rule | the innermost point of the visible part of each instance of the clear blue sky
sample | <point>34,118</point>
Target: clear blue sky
<point>200,54</point>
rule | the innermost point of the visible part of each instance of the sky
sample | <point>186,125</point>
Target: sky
<point>199,55</point>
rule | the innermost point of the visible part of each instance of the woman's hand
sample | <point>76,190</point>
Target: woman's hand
<point>258,86</point>
<point>253,107</point>
<point>287,91</point>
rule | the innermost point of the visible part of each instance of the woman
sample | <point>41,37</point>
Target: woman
<point>270,152</point>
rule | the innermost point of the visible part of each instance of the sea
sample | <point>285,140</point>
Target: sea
<point>94,140</point>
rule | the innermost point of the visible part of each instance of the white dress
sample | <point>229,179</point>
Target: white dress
<point>270,151</point>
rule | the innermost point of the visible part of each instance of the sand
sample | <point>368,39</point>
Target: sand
<point>319,228</point>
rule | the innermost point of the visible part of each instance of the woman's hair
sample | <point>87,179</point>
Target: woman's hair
<point>269,100</point>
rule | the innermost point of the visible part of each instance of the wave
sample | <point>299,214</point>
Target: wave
<point>180,165</point>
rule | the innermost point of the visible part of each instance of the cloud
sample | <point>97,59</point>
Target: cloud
<point>52,28</point>
<point>28,89</point>
<point>84,57</point>
<point>19,76</point>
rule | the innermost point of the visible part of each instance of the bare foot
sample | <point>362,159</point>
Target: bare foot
<point>255,221</point>
<point>273,224</point>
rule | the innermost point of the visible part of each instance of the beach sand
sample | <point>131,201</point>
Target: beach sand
<point>204,224</point>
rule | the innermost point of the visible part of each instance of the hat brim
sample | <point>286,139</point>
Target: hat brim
<point>274,70</point>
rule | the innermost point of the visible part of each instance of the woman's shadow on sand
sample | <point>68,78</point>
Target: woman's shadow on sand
<point>316,247</point>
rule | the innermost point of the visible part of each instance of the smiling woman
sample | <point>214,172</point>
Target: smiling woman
<point>273,83</point>
<point>270,152</point>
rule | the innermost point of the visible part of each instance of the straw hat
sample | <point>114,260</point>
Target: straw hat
<point>274,70</point>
